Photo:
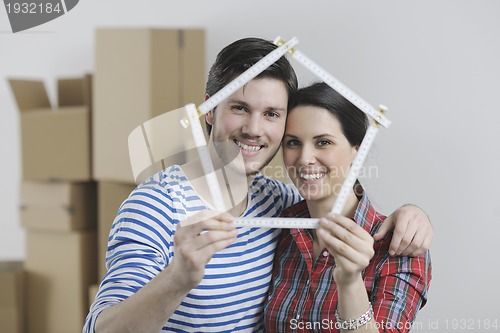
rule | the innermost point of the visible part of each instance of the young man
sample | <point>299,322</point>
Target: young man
<point>210,276</point>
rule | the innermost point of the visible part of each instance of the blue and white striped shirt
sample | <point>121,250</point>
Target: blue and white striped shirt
<point>230,297</point>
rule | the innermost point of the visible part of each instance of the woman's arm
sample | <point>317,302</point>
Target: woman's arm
<point>352,248</point>
<point>400,283</point>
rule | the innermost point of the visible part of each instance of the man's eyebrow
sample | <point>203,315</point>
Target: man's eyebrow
<point>274,108</point>
<point>245,104</point>
<point>237,101</point>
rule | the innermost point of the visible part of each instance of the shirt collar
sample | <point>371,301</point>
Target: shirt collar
<point>365,214</point>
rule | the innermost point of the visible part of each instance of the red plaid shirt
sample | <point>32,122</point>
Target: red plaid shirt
<point>303,296</point>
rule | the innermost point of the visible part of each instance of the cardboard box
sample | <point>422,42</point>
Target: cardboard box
<point>140,74</point>
<point>12,302</point>
<point>110,197</point>
<point>93,289</point>
<point>59,206</point>
<point>60,267</point>
<point>55,143</point>
<point>157,144</point>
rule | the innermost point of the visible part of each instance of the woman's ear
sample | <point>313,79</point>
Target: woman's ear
<point>354,151</point>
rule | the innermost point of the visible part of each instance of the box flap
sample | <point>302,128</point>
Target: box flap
<point>75,91</point>
<point>29,94</point>
<point>70,92</point>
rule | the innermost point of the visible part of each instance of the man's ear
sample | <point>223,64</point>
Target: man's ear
<point>209,116</point>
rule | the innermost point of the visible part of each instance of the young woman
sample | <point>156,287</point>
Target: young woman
<point>336,278</point>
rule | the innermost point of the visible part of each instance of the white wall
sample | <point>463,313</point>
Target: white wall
<point>435,64</point>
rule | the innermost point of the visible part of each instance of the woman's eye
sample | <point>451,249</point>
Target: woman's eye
<point>292,143</point>
<point>324,143</point>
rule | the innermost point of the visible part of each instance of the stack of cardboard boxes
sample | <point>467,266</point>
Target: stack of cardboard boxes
<point>76,167</point>
<point>139,74</point>
<point>58,203</point>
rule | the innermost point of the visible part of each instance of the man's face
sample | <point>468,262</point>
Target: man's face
<point>252,121</point>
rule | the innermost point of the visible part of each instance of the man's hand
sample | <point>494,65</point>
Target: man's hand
<point>196,240</point>
<point>413,231</point>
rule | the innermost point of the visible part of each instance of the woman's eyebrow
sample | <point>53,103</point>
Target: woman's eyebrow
<point>323,135</point>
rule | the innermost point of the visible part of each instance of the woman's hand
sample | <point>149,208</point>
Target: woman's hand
<point>349,244</point>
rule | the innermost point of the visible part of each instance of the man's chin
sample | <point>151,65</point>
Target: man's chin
<point>252,173</point>
<point>255,166</point>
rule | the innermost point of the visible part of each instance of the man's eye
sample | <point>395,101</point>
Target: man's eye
<point>238,108</point>
<point>272,114</point>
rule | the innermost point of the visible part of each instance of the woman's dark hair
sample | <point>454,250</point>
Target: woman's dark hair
<point>239,56</point>
<point>353,121</point>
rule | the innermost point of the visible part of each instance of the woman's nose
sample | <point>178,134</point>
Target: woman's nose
<point>307,155</point>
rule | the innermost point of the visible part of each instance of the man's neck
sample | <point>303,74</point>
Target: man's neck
<point>234,186</point>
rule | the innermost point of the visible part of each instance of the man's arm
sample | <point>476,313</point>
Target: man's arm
<point>413,231</point>
<point>149,308</point>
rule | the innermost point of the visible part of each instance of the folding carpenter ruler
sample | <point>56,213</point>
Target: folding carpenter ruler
<point>194,115</point>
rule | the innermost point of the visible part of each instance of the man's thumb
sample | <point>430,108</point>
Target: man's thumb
<point>384,228</point>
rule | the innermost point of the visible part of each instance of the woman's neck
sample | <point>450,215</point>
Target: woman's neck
<point>321,208</point>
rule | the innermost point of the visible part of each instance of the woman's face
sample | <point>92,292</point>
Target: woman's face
<point>316,152</point>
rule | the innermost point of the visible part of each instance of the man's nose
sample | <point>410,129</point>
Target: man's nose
<point>254,126</point>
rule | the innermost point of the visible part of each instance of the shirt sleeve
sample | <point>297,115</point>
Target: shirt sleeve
<point>139,248</point>
<point>400,291</point>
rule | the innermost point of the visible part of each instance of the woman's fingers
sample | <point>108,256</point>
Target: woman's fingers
<point>346,240</point>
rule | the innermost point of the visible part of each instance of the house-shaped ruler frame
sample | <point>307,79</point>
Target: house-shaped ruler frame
<point>139,137</point>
